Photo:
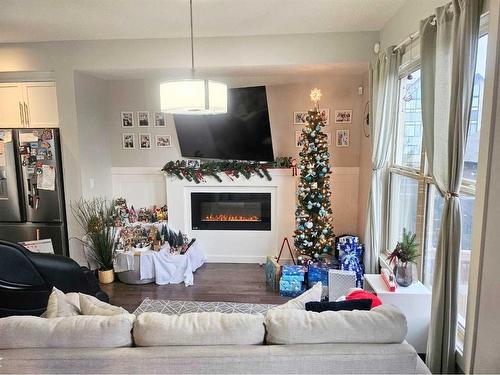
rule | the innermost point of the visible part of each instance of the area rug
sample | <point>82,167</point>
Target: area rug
<point>182,307</point>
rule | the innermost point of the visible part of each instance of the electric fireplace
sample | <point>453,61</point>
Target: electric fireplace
<point>231,211</point>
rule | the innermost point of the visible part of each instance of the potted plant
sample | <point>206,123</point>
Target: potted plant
<point>96,218</point>
<point>403,257</point>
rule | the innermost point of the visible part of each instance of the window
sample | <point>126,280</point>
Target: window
<point>404,196</point>
<point>409,142</point>
<point>414,202</point>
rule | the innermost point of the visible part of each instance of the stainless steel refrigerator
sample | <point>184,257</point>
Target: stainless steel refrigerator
<point>31,187</point>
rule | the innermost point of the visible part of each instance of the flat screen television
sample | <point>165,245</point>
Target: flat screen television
<point>243,133</point>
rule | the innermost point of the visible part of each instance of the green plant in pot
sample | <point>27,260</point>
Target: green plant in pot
<point>403,257</point>
<point>95,217</point>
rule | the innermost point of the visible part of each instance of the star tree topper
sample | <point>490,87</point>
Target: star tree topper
<point>315,96</point>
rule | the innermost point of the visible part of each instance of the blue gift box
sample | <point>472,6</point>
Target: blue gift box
<point>351,257</point>
<point>291,288</point>
<point>293,278</point>
<point>293,270</point>
<point>285,293</point>
<point>290,285</point>
<point>317,272</point>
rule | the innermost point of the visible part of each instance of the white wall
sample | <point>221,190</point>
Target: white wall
<point>95,153</point>
<point>407,20</point>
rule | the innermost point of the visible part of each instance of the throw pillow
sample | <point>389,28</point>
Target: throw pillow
<point>311,295</point>
<point>357,304</point>
<point>363,294</point>
<point>93,306</point>
<point>62,305</point>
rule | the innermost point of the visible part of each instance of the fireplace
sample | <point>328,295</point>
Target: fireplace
<point>231,211</point>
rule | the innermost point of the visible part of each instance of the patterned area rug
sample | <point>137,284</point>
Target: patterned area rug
<point>183,307</point>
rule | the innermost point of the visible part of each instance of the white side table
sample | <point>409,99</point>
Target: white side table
<point>414,301</point>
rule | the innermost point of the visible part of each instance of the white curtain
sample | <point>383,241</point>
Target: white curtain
<point>448,55</point>
<point>384,94</point>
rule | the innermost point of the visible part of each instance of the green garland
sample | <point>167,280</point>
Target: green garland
<point>181,170</point>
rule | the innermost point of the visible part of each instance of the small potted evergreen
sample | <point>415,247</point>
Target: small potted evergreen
<point>403,257</point>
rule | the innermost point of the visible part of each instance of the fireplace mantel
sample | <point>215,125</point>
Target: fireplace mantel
<point>235,246</point>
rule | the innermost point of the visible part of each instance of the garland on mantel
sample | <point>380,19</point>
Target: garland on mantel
<point>233,169</point>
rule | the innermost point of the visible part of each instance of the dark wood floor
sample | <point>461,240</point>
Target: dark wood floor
<point>213,282</point>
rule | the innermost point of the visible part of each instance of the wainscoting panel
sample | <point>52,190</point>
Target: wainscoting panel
<point>141,187</point>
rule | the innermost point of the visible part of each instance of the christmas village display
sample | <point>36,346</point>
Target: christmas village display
<point>146,229</point>
<point>314,239</point>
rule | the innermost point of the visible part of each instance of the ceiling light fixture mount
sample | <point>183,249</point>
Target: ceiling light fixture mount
<point>194,95</point>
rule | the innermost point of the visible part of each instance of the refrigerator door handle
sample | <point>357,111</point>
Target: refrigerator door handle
<point>27,114</point>
<point>21,113</point>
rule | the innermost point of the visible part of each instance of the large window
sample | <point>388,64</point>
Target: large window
<point>414,201</point>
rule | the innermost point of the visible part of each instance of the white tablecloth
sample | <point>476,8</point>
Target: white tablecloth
<point>164,267</point>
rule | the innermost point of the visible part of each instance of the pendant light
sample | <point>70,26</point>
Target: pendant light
<point>193,96</point>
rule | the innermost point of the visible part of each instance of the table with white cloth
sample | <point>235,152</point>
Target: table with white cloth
<point>161,267</point>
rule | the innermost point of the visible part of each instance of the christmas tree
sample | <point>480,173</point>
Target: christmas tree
<point>314,234</point>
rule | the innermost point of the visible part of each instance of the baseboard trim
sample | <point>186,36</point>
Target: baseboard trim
<point>242,259</point>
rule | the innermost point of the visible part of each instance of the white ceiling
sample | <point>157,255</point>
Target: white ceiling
<point>56,20</point>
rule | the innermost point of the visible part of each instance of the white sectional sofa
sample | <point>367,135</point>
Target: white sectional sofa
<point>282,342</point>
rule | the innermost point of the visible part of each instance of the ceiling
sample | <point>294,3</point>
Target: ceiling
<point>57,20</point>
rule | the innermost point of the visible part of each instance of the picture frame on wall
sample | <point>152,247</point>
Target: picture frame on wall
<point>343,116</point>
<point>162,141</point>
<point>342,138</point>
<point>127,119</point>
<point>143,119</point>
<point>325,115</point>
<point>328,138</point>
<point>299,118</point>
<point>128,141</point>
<point>144,141</point>
<point>298,135</point>
<point>160,120</point>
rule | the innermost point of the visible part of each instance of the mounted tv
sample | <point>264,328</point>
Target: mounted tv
<point>243,133</point>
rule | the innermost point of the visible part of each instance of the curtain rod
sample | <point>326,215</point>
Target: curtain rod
<point>416,34</point>
<point>408,40</point>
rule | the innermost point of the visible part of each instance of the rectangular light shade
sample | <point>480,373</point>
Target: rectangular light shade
<point>193,96</point>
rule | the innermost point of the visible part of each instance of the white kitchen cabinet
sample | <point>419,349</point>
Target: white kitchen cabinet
<point>11,106</point>
<point>28,104</point>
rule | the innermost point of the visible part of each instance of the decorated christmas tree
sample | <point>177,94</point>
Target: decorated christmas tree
<point>314,233</point>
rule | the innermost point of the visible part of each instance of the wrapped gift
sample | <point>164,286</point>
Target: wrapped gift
<point>291,288</point>
<point>292,294</point>
<point>293,278</point>
<point>350,254</point>
<point>318,272</point>
<point>273,273</point>
<point>293,270</point>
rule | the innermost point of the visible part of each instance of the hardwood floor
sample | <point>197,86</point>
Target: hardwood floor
<point>213,282</point>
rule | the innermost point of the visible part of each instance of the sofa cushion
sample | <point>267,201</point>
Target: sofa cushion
<point>311,295</point>
<point>69,332</point>
<point>90,305</point>
<point>206,328</point>
<point>62,305</point>
<point>383,324</point>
